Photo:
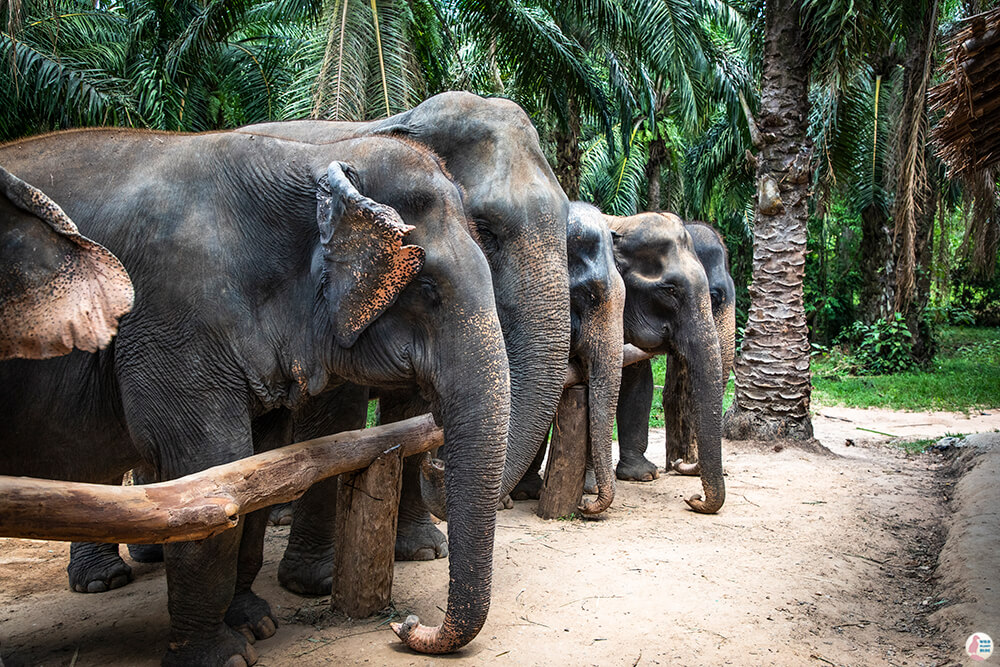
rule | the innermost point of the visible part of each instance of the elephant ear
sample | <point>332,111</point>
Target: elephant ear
<point>365,264</point>
<point>58,290</point>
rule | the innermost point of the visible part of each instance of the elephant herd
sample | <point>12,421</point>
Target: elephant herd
<point>280,276</point>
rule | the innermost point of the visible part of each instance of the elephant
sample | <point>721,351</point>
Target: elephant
<point>269,275</point>
<point>518,216</point>
<point>597,301</point>
<point>58,290</point>
<point>668,310</point>
<point>682,450</point>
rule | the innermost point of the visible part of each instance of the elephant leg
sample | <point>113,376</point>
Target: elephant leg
<point>145,553</point>
<point>281,514</point>
<point>96,568</point>
<point>306,567</point>
<point>417,538</point>
<point>201,578</point>
<point>177,440</point>
<point>530,486</point>
<point>249,613</point>
<point>634,403</point>
<point>677,425</point>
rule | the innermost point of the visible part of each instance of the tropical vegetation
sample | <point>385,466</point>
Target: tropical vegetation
<point>798,128</point>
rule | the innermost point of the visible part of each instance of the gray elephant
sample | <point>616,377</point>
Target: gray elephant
<point>597,301</point>
<point>58,290</point>
<point>267,273</point>
<point>633,422</point>
<point>682,447</point>
<point>668,310</point>
<point>518,216</point>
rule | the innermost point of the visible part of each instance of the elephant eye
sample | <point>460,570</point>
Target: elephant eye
<point>487,239</point>
<point>429,290</point>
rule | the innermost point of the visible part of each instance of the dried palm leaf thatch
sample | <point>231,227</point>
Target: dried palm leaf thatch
<point>968,135</point>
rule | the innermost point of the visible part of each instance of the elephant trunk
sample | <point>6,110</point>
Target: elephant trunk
<point>533,305</point>
<point>605,329</point>
<point>701,397</point>
<point>475,428</point>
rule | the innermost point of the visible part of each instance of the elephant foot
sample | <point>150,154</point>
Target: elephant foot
<point>146,553</point>
<point>682,468</point>
<point>224,647</point>
<point>306,573</point>
<point>96,568</point>
<point>590,482</point>
<point>281,515</point>
<point>636,470</point>
<point>251,616</point>
<point>529,488</point>
<point>420,540</point>
<point>505,504</point>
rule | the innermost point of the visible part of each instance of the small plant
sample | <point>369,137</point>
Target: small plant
<point>880,348</point>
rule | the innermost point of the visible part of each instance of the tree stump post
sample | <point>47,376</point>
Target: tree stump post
<point>367,512</point>
<point>567,462</point>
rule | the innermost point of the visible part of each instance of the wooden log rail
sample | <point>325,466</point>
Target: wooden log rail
<point>208,502</point>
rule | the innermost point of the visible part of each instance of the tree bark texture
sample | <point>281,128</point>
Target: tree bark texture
<point>568,154</point>
<point>203,504</point>
<point>912,194</point>
<point>367,501</point>
<point>657,154</point>
<point>772,372</point>
<point>567,462</point>
<point>877,296</point>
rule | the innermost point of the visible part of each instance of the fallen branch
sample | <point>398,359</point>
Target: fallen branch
<point>204,503</point>
<point>208,502</point>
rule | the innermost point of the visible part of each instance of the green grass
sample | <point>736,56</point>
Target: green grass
<point>965,375</point>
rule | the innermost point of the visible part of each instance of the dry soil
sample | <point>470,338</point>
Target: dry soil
<point>818,558</point>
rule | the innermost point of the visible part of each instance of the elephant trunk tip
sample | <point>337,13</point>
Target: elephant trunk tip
<point>605,495</point>
<point>710,506</point>
<point>422,638</point>
<point>682,468</point>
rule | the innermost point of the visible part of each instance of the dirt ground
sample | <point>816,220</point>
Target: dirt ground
<point>816,559</point>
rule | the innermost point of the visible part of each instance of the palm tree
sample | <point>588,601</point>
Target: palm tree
<point>772,370</point>
<point>189,65</point>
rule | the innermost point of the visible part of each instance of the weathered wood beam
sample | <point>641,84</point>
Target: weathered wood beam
<point>567,460</point>
<point>208,502</point>
<point>202,504</point>
<point>367,503</point>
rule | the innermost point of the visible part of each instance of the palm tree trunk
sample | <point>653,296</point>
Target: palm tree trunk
<point>568,155</point>
<point>657,153</point>
<point>877,286</point>
<point>913,194</point>
<point>772,372</point>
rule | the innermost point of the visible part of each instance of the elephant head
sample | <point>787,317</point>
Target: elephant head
<point>714,257</point>
<point>58,290</point>
<point>712,253</point>
<point>668,311</point>
<point>518,213</point>
<point>441,332</point>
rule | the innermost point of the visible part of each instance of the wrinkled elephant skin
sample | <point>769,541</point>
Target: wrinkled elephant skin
<point>267,274</point>
<point>668,310</point>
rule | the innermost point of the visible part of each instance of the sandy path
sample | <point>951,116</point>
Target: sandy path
<point>814,560</point>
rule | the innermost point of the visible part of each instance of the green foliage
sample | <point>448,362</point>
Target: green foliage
<point>964,376</point>
<point>881,347</point>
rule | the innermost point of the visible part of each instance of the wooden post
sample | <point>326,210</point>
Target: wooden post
<point>367,510</point>
<point>567,462</point>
